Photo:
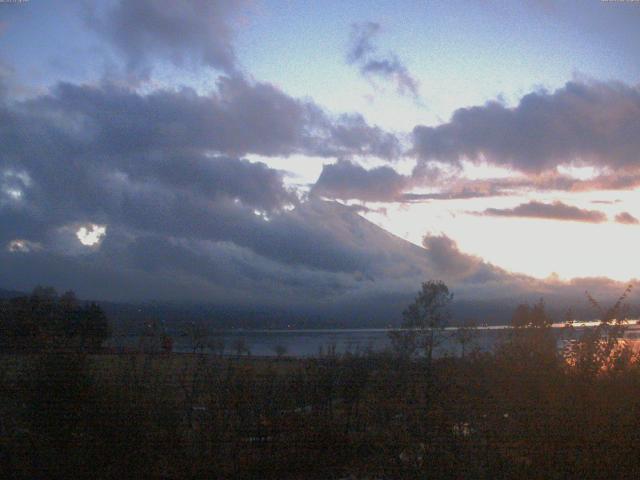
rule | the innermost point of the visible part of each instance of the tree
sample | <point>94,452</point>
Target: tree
<point>526,316</point>
<point>46,321</point>
<point>601,347</point>
<point>280,350</point>
<point>428,315</point>
<point>198,335</point>
<point>403,343</point>
<point>465,335</point>
<point>240,346</point>
<point>531,340</point>
<point>92,327</point>
<point>216,344</point>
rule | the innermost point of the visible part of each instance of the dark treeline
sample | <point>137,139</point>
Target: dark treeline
<point>45,320</point>
<point>526,410</point>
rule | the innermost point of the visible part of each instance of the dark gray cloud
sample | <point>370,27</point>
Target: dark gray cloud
<point>185,217</point>
<point>552,211</point>
<point>447,258</point>
<point>351,134</point>
<point>347,180</point>
<point>151,207</point>
<point>318,252</point>
<point>189,32</point>
<point>627,219</point>
<point>239,118</point>
<point>364,54</point>
<point>469,272</point>
<point>588,123</point>
<point>164,165</point>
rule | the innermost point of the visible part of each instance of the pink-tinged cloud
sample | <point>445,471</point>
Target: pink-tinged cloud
<point>551,211</point>
<point>627,219</point>
<point>461,188</point>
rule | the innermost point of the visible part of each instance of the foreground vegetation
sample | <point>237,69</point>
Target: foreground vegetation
<point>525,410</point>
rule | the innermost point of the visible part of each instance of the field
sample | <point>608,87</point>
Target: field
<point>520,411</point>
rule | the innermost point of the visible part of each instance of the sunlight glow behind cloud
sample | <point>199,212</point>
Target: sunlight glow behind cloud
<point>91,235</point>
<point>536,247</point>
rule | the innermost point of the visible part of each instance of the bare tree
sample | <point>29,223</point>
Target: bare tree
<point>428,315</point>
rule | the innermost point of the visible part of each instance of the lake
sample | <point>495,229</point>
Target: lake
<point>308,343</point>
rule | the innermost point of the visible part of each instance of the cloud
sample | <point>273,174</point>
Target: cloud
<point>152,163</point>
<point>480,286</point>
<point>23,246</point>
<point>319,252</point>
<point>189,32</point>
<point>363,53</point>
<point>592,123</point>
<point>551,211</point>
<point>447,258</point>
<point>168,205</point>
<point>456,187</point>
<point>167,163</point>
<point>139,194</point>
<point>458,191</point>
<point>606,202</point>
<point>349,134</point>
<point>626,218</point>
<point>238,118</point>
<point>347,180</point>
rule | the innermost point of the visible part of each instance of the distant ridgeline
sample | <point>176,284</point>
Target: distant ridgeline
<point>46,321</point>
<point>386,311</point>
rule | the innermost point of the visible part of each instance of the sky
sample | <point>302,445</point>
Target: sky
<point>286,153</point>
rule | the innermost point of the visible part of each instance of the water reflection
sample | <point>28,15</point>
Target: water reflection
<point>307,343</point>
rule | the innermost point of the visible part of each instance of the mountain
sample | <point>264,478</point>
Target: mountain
<point>318,265</point>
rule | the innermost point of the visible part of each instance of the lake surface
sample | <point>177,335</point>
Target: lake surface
<point>308,343</point>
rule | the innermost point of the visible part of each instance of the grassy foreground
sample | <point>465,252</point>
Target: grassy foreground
<point>523,411</point>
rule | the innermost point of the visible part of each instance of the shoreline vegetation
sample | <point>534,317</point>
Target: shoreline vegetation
<point>525,409</point>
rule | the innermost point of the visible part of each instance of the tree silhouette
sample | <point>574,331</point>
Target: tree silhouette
<point>46,321</point>
<point>531,341</point>
<point>526,316</point>
<point>240,347</point>
<point>428,315</point>
<point>92,328</point>
<point>601,347</point>
<point>280,350</point>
